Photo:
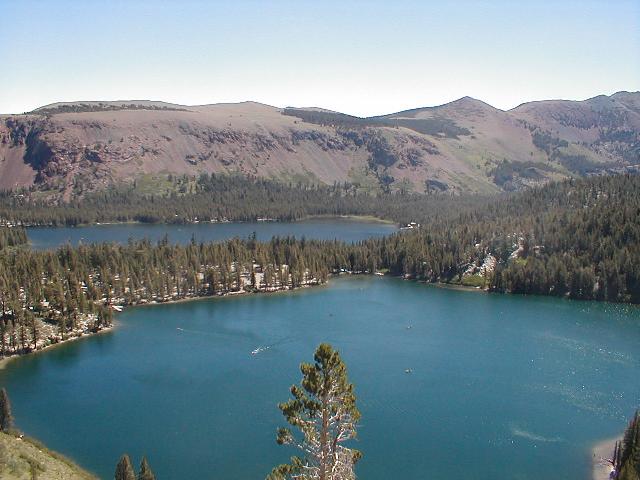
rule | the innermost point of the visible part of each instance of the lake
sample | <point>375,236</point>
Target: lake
<point>508,387</point>
<point>348,229</point>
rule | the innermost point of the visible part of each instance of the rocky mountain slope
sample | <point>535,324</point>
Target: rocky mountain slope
<point>69,149</point>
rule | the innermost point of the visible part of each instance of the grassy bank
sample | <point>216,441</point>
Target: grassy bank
<point>22,458</point>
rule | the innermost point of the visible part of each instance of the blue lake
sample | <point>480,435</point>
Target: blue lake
<point>346,229</point>
<point>507,387</point>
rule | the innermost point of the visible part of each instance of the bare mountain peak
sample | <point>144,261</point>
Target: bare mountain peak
<point>626,94</point>
<point>468,104</point>
<point>630,99</point>
<point>599,100</point>
<point>468,101</point>
<point>463,104</point>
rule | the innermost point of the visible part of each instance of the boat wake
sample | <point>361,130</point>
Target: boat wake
<point>264,348</point>
<point>518,432</point>
<point>194,332</point>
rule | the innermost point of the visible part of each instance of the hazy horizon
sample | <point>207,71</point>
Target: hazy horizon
<point>360,58</point>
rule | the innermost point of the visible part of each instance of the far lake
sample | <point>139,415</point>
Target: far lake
<point>346,229</point>
<point>499,386</point>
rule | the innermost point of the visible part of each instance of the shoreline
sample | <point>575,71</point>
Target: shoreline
<point>356,218</point>
<point>601,453</point>
<point>226,295</point>
<point>4,361</point>
<point>599,450</point>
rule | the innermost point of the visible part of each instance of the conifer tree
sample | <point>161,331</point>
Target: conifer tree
<point>324,409</point>
<point>627,453</point>
<point>6,417</point>
<point>145,471</point>
<point>124,469</point>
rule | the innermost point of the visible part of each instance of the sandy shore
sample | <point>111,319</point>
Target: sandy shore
<point>601,453</point>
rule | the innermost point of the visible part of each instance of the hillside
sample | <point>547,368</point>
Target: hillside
<point>464,146</point>
<point>24,459</point>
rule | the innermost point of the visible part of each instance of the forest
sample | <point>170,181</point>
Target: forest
<point>12,237</point>
<point>578,239</point>
<point>74,289</point>
<point>186,199</point>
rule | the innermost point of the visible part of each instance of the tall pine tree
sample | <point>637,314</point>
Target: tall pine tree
<point>324,410</point>
<point>145,471</point>
<point>6,417</point>
<point>627,454</point>
<point>124,469</point>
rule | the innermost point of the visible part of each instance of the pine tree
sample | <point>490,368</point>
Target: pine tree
<point>145,471</point>
<point>124,469</point>
<point>627,454</point>
<point>324,410</point>
<point>6,418</point>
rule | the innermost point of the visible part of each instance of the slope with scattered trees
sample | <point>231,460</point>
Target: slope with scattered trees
<point>23,458</point>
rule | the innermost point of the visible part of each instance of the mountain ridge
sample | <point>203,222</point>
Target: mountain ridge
<point>67,149</point>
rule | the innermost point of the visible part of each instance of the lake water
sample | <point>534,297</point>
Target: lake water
<point>507,387</point>
<point>346,229</point>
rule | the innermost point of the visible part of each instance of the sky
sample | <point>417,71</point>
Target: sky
<point>358,57</point>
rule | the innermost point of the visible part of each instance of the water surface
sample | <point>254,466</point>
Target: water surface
<point>347,229</point>
<point>507,387</point>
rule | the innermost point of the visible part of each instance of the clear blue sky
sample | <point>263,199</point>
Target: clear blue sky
<point>358,57</point>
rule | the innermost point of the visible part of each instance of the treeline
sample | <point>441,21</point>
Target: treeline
<point>578,238</point>
<point>224,197</point>
<point>12,237</point>
<point>102,107</point>
<point>74,286</point>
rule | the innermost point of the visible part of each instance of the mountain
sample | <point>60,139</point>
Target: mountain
<point>68,149</point>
